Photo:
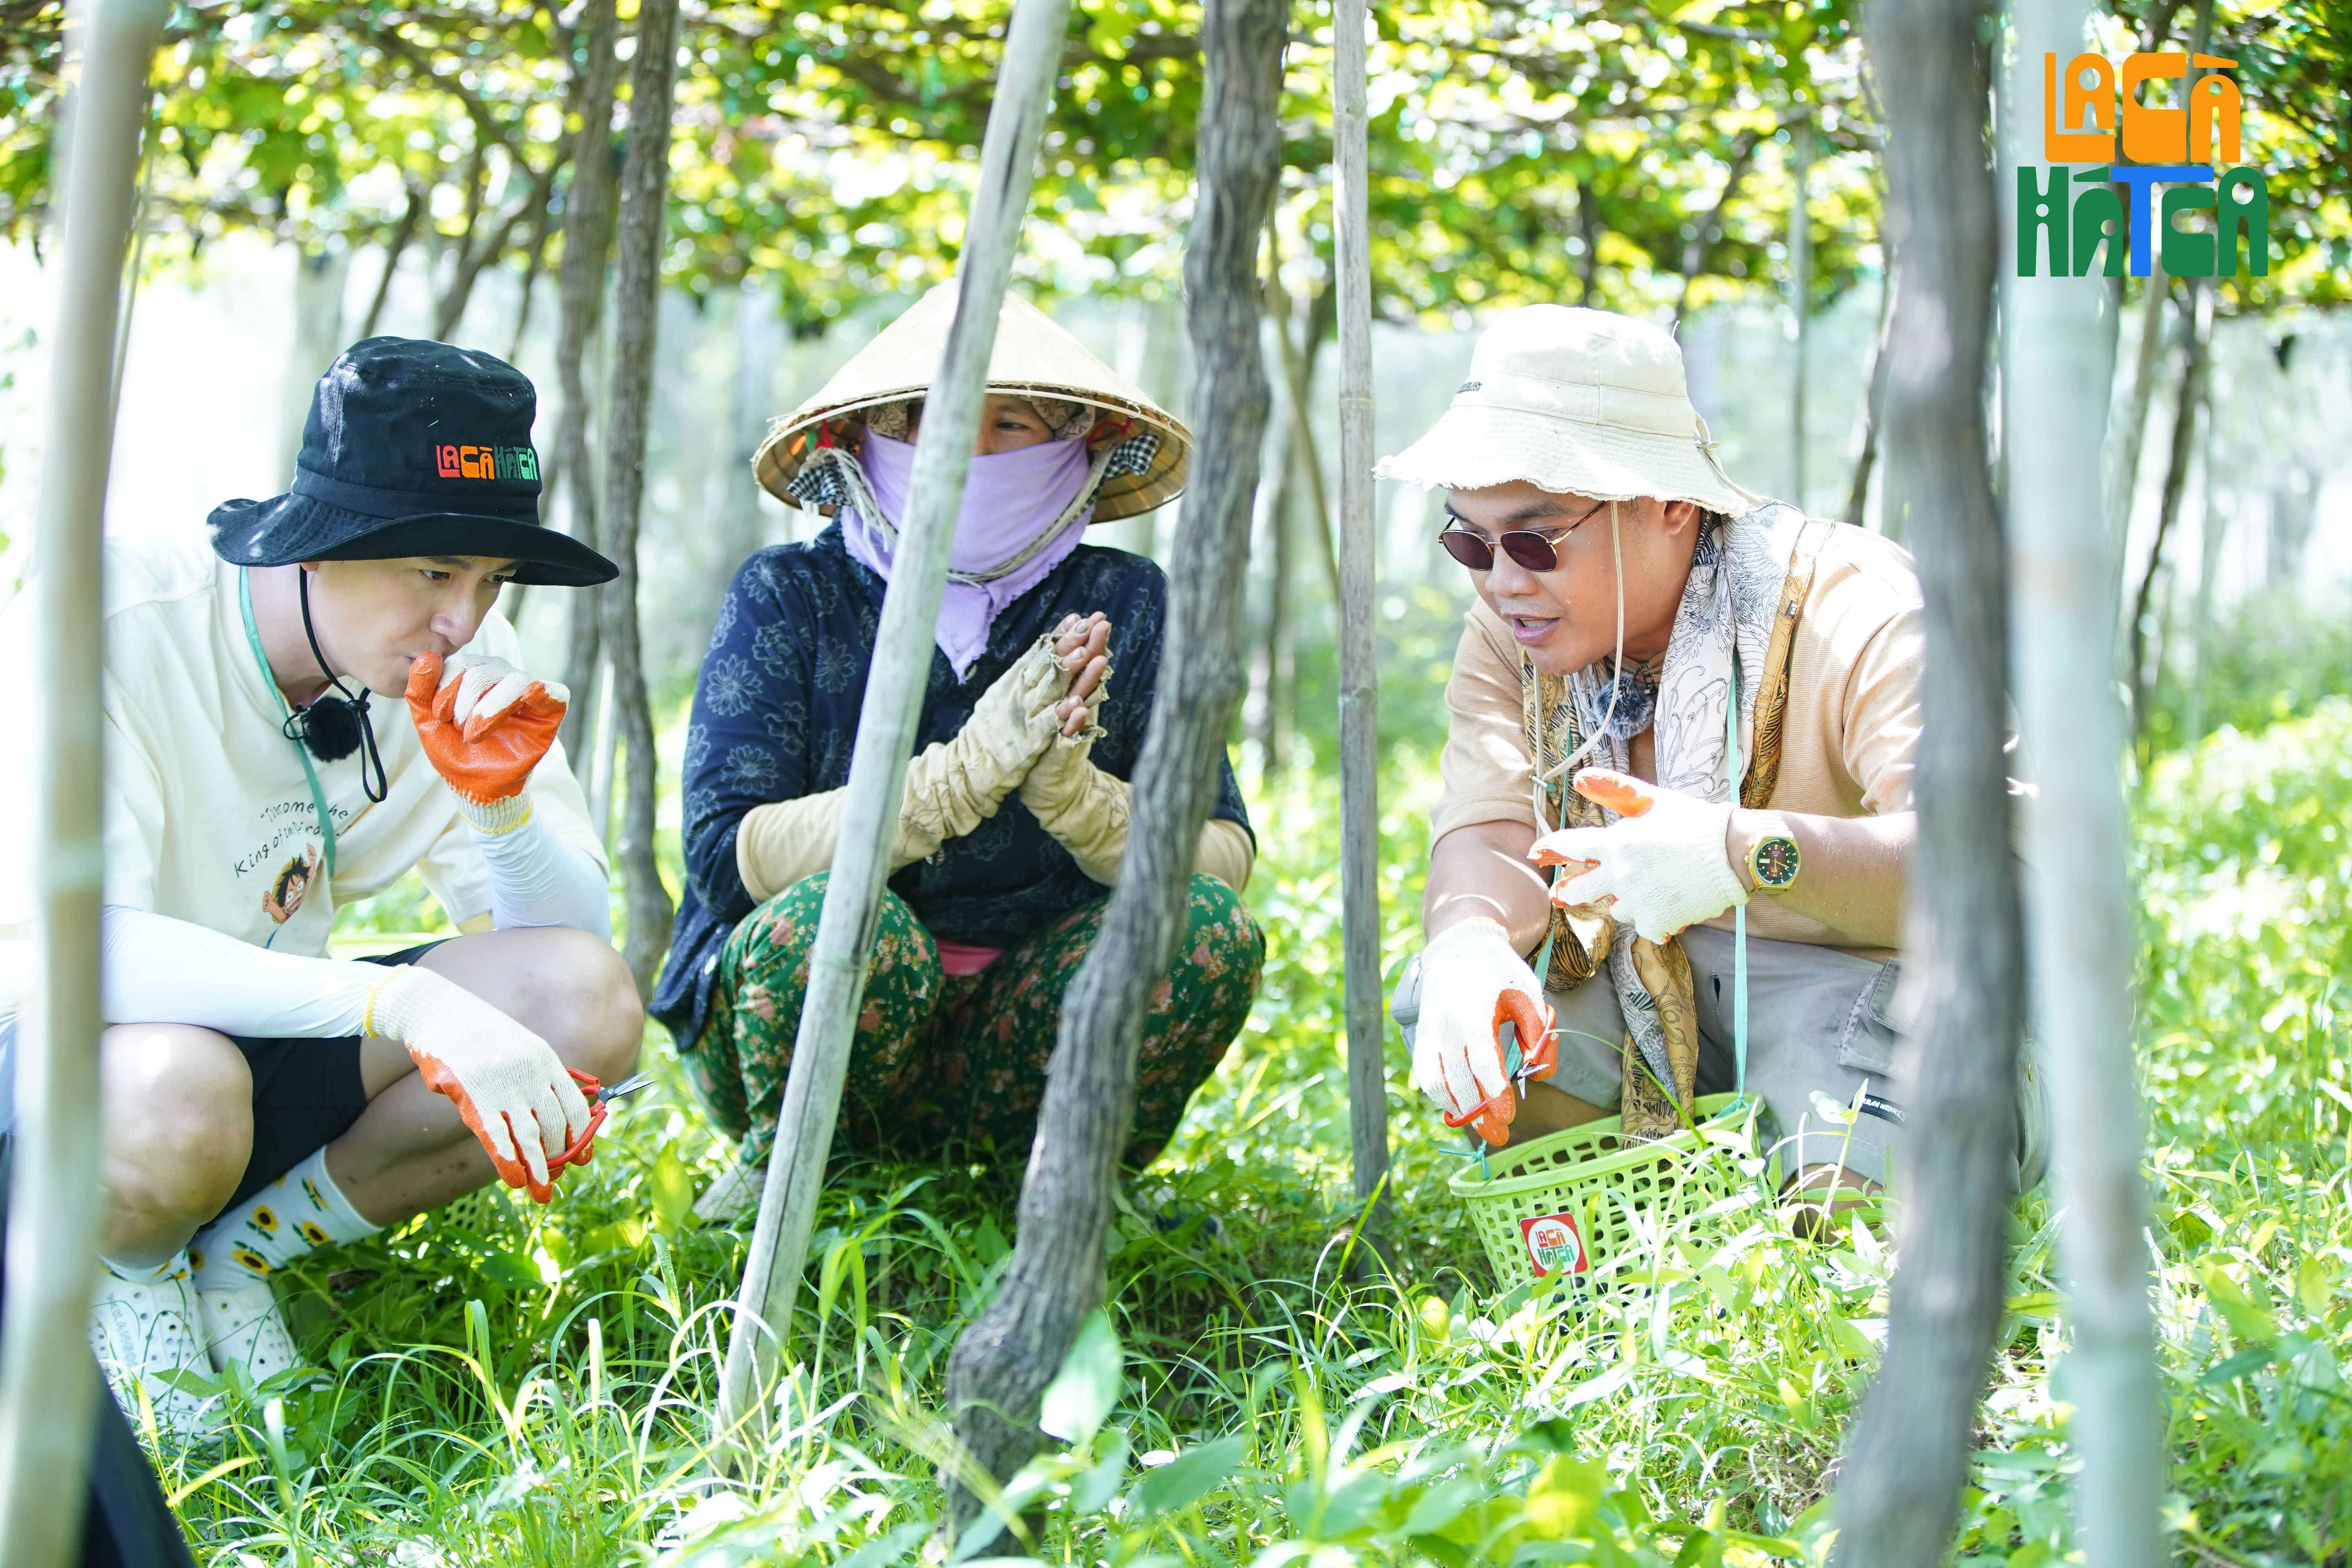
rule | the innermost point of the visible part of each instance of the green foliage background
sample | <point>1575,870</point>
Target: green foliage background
<point>510,1384</point>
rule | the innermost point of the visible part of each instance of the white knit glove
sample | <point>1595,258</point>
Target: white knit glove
<point>488,686</point>
<point>1661,867</point>
<point>1472,982</point>
<point>509,1087</point>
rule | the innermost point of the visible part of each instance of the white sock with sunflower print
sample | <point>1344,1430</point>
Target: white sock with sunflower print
<point>294,1216</point>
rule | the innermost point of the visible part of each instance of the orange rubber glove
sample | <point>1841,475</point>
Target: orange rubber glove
<point>508,1086</point>
<point>485,724</point>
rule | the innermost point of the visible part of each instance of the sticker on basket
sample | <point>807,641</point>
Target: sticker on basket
<point>1555,1244</point>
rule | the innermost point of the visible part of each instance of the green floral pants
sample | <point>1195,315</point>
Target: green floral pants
<point>942,1062</point>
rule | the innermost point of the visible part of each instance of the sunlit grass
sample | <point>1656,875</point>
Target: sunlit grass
<point>514,1385</point>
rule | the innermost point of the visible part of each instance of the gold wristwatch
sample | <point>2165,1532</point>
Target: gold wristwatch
<point>1772,863</point>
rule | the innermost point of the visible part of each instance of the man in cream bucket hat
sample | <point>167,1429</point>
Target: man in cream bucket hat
<point>1626,587</point>
<point>1016,802</point>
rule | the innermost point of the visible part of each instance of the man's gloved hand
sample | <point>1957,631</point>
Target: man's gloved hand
<point>506,1083</point>
<point>1661,867</point>
<point>1472,982</point>
<point>485,724</point>
<point>954,786</point>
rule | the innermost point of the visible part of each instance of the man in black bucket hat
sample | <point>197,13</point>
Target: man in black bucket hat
<point>297,718</point>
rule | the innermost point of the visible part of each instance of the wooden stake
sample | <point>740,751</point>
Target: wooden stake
<point>1003,1362</point>
<point>47,1378</point>
<point>2055,381</point>
<point>886,726</point>
<point>1359,806</point>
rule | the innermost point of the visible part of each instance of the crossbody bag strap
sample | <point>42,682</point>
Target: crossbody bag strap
<point>1772,696</point>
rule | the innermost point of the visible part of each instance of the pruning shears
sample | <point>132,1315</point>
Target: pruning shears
<point>599,1099</point>
<point>1519,1017</point>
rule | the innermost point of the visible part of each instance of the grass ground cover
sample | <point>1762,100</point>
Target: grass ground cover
<point>505,1384</point>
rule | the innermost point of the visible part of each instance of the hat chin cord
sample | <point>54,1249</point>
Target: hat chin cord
<point>331,728</point>
<point>1544,778</point>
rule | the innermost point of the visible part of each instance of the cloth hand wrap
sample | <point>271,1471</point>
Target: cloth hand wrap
<point>1086,809</point>
<point>955,786</point>
<point>506,1083</point>
<point>1663,861</point>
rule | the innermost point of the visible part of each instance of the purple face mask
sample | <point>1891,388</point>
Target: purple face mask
<point>1009,499</point>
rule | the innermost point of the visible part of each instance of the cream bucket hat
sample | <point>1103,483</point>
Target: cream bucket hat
<point>1150,449</point>
<point>1578,402</point>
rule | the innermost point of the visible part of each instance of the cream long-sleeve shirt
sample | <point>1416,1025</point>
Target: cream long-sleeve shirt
<point>1851,727</point>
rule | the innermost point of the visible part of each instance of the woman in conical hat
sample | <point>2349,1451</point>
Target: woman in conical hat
<point>1016,804</point>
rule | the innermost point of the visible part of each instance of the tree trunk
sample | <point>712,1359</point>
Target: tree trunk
<point>2124,486</point>
<point>1281,625</point>
<point>1298,380</point>
<point>534,264</point>
<point>2131,440</point>
<point>2057,383</point>
<point>319,276</point>
<point>1801,287</point>
<point>759,333</point>
<point>2197,331</point>
<point>1873,408</point>
<point>1004,1360</point>
<point>1701,244</point>
<point>2295,506</point>
<point>1907,1457</point>
<point>2213,534</point>
<point>2196,356</point>
<point>1588,231</point>
<point>587,236</point>
<point>394,246</point>
<point>636,305</point>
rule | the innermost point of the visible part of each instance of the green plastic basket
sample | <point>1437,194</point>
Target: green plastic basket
<point>1565,1204</point>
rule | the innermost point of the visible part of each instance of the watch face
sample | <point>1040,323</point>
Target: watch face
<point>1775,862</point>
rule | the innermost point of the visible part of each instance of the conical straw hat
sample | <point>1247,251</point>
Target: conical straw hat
<point>1033,356</point>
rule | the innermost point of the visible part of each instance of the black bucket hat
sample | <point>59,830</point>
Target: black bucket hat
<point>412,448</point>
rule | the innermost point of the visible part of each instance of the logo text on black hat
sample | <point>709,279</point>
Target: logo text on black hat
<point>453,462</point>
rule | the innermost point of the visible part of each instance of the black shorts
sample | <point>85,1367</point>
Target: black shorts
<point>306,1094</point>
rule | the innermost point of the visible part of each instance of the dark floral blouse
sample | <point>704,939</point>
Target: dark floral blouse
<point>775,714</point>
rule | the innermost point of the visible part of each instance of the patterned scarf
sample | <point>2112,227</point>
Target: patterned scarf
<point>1723,625</point>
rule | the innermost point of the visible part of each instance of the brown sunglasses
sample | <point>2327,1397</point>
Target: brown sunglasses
<point>1537,550</point>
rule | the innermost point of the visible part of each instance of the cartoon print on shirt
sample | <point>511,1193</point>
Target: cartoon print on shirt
<point>291,883</point>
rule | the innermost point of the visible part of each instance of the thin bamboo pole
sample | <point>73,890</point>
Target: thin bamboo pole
<point>2056,380</point>
<point>1359,804</point>
<point>885,723</point>
<point>46,1376</point>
